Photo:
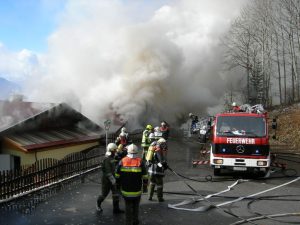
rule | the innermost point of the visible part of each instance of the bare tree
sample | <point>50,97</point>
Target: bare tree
<point>265,41</point>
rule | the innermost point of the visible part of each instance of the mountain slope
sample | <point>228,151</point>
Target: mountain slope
<point>7,88</point>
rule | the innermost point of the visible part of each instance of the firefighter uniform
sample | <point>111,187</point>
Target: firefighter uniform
<point>131,175</point>
<point>157,165</point>
<point>146,140</point>
<point>123,138</point>
<point>108,180</point>
<point>165,130</point>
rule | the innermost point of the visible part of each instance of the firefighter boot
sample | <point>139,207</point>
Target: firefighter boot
<point>160,194</point>
<point>116,208</point>
<point>98,205</point>
<point>152,186</point>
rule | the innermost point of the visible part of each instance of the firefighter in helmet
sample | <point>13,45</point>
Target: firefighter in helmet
<point>131,175</point>
<point>121,153</point>
<point>235,107</point>
<point>194,120</point>
<point>146,140</point>
<point>108,179</point>
<point>164,129</point>
<point>123,137</point>
<point>157,165</point>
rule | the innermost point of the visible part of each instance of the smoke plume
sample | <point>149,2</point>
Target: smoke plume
<point>115,58</point>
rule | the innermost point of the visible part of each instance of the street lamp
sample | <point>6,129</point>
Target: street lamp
<point>106,127</point>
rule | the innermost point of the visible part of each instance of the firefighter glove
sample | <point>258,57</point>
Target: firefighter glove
<point>112,179</point>
<point>165,165</point>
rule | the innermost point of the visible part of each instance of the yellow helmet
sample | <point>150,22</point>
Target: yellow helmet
<point>149,127</point>
<point>120,148</point>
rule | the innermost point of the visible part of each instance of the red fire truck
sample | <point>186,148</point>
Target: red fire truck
<point>240,141</point>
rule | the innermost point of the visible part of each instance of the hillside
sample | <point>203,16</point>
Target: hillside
<point>288,126</point>
<point>7,88</point>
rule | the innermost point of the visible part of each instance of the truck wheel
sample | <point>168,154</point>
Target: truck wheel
<point>263,174</point>
<point>217,171</point>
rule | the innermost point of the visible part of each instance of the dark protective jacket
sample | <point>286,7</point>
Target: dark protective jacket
<point>108,168</point>
<point>165,131</point>
<point>131,175</point>
<point>157,161</point>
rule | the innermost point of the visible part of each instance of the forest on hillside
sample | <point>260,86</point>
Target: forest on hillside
<point>264,43</point>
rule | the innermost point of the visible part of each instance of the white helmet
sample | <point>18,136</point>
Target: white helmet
<point>163,123</point>
<point>234,104</point>
<point>132,149</point>
<point>161,140</point>
<point>190,114</point>
<point>111,147</point>
<point>156,129</point>
<point>123,130</point>
<point>151,136</point>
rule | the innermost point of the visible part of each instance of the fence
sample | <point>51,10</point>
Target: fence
<point>47,172</point>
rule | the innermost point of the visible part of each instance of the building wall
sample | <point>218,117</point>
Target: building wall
<point>28,158</point>
<point>6,162</point>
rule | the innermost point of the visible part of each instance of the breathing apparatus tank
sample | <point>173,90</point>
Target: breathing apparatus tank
<point>150,153</point>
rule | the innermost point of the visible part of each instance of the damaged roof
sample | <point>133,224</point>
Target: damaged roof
<point>31,126</point>
<point>15,112</point>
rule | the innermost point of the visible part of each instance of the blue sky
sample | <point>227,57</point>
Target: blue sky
<point>26,24</point>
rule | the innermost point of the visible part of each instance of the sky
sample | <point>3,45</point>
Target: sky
<point>26,24</point>
<point>140,60</point>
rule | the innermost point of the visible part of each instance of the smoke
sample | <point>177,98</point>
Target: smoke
<point>19,66</point>
<point>114,58</point>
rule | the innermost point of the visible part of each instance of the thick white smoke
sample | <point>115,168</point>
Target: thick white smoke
<point>109,59</point>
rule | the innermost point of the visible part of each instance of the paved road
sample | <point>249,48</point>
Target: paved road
<point>74,204</point>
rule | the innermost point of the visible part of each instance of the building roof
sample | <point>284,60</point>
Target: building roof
<point>16,111</point>
<point>32,126</point>
<point>39,140</point>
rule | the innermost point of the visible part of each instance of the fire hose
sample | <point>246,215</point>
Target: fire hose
<point>207,207</point>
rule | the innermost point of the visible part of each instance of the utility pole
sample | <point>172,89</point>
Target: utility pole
<point>106,126</point>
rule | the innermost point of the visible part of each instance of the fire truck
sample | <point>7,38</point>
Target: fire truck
<point>240,141</point>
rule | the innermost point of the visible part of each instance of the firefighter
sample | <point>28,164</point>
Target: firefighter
<point>235,107</point>
<point>157,165</point>
<point>123,137</point>
<point>145,139</point>
<point>157,133</point>
<point>152,138</point>
<point>131,175</point>
<point>108,179</point>
<point>121,153</point>
<point>165,130</point>
<point>195,120</point>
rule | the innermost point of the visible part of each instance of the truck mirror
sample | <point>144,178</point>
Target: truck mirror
<point>274,124</point>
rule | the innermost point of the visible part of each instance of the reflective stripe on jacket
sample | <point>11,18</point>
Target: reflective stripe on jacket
<point>131,174</point>
<point>145,139</point>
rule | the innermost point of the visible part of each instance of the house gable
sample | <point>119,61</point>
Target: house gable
<point>55,131</point>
